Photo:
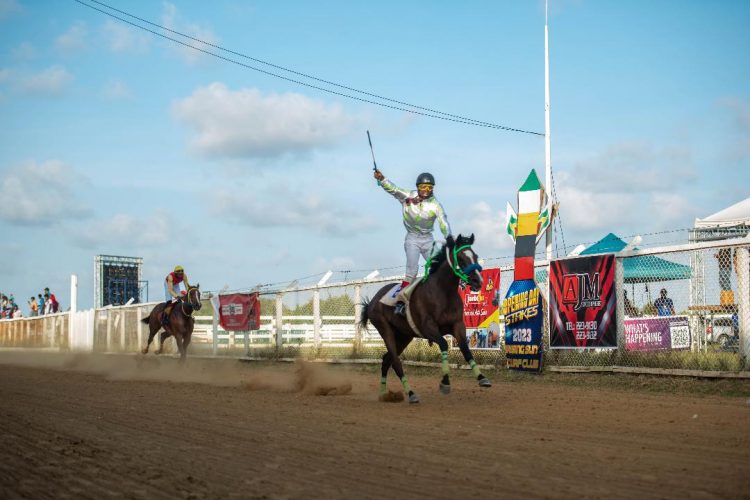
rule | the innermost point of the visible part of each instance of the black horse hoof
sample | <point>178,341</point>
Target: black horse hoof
<point>413,398</point>
<point>445,385</point>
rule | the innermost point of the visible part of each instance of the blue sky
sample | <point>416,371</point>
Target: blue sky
<point>118,142</point>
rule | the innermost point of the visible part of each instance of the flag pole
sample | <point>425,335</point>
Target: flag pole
<point>547,153</point>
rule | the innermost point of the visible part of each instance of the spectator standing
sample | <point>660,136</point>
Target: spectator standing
<point>664,305</point>
<point>33,307</point>
<point>724,258</point>
<point>630,309</point>
<point>53,304</point>
<point>40,305</point>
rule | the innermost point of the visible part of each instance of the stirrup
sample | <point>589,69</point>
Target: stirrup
<point>400,309</point>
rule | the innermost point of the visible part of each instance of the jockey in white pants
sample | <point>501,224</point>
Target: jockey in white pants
<point>420,210</point>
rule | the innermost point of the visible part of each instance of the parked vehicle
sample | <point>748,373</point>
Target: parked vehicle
<point>723,329</point>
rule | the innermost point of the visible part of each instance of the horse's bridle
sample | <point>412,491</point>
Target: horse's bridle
<point>182,303</point>
<point>462,273</point>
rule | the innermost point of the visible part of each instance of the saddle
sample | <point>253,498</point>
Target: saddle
<point>394,294</point>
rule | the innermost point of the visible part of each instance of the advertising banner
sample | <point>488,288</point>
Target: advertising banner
<point>482,312</point>
<point>523,309</point>
<point>239,311</point>
<point>583,304</point>
<point>657,333</point>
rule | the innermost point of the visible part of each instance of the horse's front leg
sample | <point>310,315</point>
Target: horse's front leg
<point>180,346</point>
<point>445,382</point>
<point>459,332</point>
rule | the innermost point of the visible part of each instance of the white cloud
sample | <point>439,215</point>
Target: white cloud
<point>488,226</point>
<point>619,206</point>
<point>117,90</point>
<point>51,81</point>
<point>72,40</point>
<point>8,7</point>
<point>125,231</point>
<point>41,194</point>
<point>171,19</point>
<point>24,51</point>
<point>245,123</point>
<point>121,38</point>
<point>289,209</point>
<point>634,167</point>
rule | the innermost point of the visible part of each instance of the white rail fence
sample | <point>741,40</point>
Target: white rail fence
<point>322,321</point>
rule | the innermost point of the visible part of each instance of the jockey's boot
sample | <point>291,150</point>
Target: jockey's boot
<point>399,309</point>
<point>165,314</point>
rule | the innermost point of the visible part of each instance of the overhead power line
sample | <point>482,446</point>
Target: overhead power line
<point>397,105</point>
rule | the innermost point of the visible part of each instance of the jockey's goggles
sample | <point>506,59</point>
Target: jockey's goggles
<point>425,187</point>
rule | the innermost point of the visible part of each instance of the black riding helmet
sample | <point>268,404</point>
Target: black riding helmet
<point>425,178</point>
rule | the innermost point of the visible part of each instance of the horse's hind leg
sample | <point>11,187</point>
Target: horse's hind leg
<point>164,335</point>
<point>387,360</point>
<point>152,329</point>
<point>483,381</point>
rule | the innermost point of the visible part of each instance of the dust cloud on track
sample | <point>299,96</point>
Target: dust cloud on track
<point>144,427</point>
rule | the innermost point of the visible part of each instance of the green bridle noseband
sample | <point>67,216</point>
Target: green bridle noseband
<point>462,273</point>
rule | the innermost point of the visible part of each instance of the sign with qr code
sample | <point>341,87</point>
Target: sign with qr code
<point>658,333</point>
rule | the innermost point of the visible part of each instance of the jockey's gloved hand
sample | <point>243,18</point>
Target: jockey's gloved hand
<point>378,175</point>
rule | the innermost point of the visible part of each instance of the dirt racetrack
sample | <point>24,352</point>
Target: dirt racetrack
<point>99,427</point>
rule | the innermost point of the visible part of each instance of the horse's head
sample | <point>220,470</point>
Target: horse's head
<point>464,261</point>
<point>194,297</point>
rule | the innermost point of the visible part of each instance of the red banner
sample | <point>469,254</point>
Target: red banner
<point>239,311</point>
<point>480,306</point>
<point>583,307</point>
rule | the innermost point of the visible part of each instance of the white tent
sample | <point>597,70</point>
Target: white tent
<point>735,215</point>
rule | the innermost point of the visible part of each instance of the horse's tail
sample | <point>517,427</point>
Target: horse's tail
<point>147,319</point>
<point>364,316</point>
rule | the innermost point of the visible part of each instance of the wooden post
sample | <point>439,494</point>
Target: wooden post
<point>122,329</point>
<point>215,327</point>
<point>357,315</point>
<point>109,330</point>
<point>278,326</point>
<point>316,318</point>
<point>139,326</point>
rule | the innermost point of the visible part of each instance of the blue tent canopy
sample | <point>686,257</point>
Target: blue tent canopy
<point>643,268</point>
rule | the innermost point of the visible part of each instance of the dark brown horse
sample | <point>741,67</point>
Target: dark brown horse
<point>180,322</point>
<point>436,310</point>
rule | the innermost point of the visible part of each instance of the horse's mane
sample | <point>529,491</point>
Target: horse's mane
<point>437,260</point>
<point>439,257</point>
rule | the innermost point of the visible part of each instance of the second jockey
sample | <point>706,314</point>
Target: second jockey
<point>176,284</point>
<point>420,211</point>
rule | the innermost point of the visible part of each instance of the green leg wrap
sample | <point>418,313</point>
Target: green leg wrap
<point>405,383</point>
<point>474,368</point>
<point>383,386</point>
<point>444,362</point>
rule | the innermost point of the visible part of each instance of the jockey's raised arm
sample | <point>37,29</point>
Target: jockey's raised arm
<point>419,209</point>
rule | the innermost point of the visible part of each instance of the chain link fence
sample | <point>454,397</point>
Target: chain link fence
<point>702,290</point>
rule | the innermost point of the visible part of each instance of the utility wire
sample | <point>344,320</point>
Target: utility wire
<point>427,112</point>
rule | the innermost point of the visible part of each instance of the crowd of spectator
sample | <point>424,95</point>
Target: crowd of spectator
<point>43,303</point>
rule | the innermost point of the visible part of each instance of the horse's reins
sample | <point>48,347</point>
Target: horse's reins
<point>182,304</point>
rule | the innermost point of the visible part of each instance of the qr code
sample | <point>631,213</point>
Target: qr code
<point>680,336</point>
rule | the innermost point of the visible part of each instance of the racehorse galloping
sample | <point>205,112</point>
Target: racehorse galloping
<point>436,309</point>
<point>180,322</point>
